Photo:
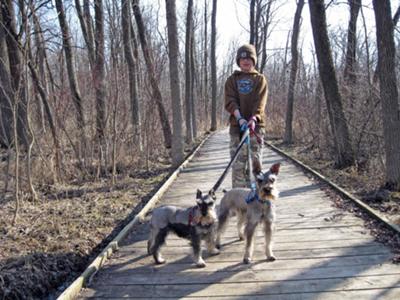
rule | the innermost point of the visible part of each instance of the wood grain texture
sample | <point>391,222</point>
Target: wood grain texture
<point>322,252</point>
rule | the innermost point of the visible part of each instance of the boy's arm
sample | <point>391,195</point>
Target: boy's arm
<point>262,93</point>
<point>231,100</point>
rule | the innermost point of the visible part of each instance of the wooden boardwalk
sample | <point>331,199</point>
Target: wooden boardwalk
<point>322,252</point>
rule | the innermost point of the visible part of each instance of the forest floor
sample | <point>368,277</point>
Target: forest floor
<point>56,237</point>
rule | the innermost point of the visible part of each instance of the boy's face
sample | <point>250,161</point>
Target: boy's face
<point>246,64</point>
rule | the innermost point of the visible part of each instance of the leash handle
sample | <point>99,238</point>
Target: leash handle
<point>222,177</point>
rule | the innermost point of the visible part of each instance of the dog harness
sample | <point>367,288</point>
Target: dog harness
<point>191,217</point>
<point>252,196</point>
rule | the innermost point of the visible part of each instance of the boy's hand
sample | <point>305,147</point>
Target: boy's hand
<point>242,124</point>
<point>252,123</point>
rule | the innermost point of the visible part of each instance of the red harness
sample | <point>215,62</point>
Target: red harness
<point>191,216</point>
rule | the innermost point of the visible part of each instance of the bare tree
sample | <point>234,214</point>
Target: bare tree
<point>6,93</point>
<point>41,56</point>
<point>266,19</point>
<point>173,46</point>
<point>205,62</point>
<point>252,21</point>
<point>188,74</point>
<point>16,67</point>
<point>213,67</point>
<point>193,85</point>
<point>132,73</point>
<point>349,69</point>
<point>152,75</point>
<point>343,147</point>
<point>99,74</point>
<point>396,18</point>
<point>388,91</point>
<point>69,59</point>
<point>85,20</point>
<point>288,138</point>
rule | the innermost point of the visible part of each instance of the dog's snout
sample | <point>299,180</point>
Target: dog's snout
<point>267,189</point>
<point>204,209</point>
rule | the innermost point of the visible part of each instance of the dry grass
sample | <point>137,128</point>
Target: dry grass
<point>55,238</point>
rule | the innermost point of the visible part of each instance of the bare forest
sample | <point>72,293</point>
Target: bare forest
<point>101,100</point>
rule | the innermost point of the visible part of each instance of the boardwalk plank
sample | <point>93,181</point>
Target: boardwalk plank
<point>130,277</point>
<point>236,255</point>
<point>292,285</point>
<point>322,252</point>
<point>369,294</point>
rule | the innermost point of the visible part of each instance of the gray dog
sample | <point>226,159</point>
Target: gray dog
<point>195,223</point>
<point>252,208</point>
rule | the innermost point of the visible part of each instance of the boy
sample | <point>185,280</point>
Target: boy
<point>246,93</point>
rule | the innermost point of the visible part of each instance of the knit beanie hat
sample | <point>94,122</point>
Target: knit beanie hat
<point>246,51</point>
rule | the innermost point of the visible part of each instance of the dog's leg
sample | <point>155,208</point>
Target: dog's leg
<point>159,240</point>
<point>196,245</point>
<point>150,242</point>
<point>222,221</point>
<point>268,230</point>
<point>210,240</point>
<point>241,219</point>
<point>250,229</point>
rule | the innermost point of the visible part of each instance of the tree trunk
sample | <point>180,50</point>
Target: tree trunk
<point>344,152</point>
<point>173,47</point>
<point>85,22</point>
<point>49,113</point>
<point>205,63</point>
<point>41,55</point>
<point>99,72</point>
<point>367,53</point>
<point>69,59</point>
<point>132,70</point>
<point>388,91</point>
<point>6,94</point>
<point>396,18</point>
<point>152,75</point>
<point>193,94</point>
<point>188,74</point>
<point>263,17</point>
<point>15,67</point>
<point>252,14</point>
<point>293,72</point>
<point>349,69</point>
<point>213,68</point>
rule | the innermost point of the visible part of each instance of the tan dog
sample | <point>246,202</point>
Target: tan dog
<point>252,208</point>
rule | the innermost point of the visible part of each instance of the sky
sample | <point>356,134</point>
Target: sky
<point>232,17</point>
<point>233,22</point>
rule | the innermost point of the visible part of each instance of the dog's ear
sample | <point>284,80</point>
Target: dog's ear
<point>211,193</point>
<point>199,194</point>
<point>256,167</point>
<point>275,168</point>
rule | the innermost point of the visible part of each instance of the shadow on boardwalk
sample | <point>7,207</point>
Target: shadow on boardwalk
<point>323,252</point>
<point>138,277</point>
